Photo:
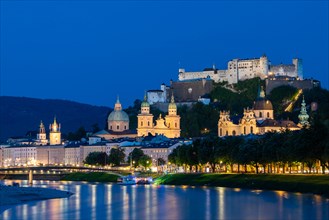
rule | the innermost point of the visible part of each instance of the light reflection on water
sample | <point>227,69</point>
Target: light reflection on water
<point>106,201</point>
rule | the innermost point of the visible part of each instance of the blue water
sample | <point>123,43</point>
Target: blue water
<point>112,201</point>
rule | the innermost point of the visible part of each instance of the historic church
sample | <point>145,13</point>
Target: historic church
<point>258,120</point>
<point>168,126</point>
<point>117,124</point>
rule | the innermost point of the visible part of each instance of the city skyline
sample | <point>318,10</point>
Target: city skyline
<point>90,52</point>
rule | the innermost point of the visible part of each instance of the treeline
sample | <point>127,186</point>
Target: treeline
<point>136,158</point>
<point>271,153</point>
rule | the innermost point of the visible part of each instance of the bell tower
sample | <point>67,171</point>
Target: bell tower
<point>55,133</point>
<point>41,136</point>
<point>303,116</point>
<point>145,119</point>
<point>172,120</point>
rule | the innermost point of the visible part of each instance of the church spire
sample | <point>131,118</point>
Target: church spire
<point>303,116</point>
<point>118,106</point>
<point>261,92</point>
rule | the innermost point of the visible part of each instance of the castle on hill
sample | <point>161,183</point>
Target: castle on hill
<point>242,69</point>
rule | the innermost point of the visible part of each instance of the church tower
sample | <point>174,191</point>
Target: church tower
<point>41,136</point>
<point>263,108</point>
<point>303,116</point>
<point>145,119</point>
<point>55,133</point>
<point>173,120</point>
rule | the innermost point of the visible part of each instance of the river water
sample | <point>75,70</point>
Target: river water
<point>143,202</point>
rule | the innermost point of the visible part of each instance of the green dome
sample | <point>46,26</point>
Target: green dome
<point>118,116</point>
<point>145,104</point>
<point>172,106</point>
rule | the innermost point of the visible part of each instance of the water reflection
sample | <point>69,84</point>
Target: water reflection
<point>106,201</point>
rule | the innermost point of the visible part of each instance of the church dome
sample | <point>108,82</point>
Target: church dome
<point>263,104</point>
<point>118,116</point>
<point>145,104</point>
<point>172,106</point>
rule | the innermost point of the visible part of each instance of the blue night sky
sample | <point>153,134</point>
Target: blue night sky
<point>92,51</point>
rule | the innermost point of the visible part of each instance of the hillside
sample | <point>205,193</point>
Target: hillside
<point>19,115</point>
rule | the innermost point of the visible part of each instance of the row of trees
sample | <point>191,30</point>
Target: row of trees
<point>115,158</point>
<point>136,158</point>
<point>272,152</point>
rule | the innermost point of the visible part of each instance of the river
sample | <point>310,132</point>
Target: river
<point>113,201</point>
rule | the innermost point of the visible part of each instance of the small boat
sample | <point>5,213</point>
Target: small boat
<point>129,180</point>
<point>147,180</point>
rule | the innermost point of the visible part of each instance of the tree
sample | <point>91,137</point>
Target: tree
<point>97,158</point>
<point>145,161</point>
<point>135,155</point>
<point>117,156</point>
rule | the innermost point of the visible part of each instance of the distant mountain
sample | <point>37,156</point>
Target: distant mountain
<point>18,115</point>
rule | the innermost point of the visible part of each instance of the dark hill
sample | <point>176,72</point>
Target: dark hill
<point>19,115</point>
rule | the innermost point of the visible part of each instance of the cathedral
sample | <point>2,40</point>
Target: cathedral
<point>168,126</point>
<point>117,124</point>
<point>258,120</point>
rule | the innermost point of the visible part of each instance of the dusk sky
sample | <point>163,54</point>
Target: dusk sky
<point>92,51</point>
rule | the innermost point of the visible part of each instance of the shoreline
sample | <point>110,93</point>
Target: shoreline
<point>15,195</point>
<point>315,184</point>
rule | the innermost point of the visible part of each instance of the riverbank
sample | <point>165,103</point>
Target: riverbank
<point>11,195</point>
<point>91,177</point>
<point>317,184</point>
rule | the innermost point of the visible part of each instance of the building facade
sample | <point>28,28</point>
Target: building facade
<point>168,126</point>
<point>258,120</point>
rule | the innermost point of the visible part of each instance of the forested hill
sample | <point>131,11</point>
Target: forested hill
<point>19,115</point>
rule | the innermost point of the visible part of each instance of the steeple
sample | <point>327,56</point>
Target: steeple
<point>55,133</point>
<point>145,106</point>
<point>261,93</point>
<point>303,116</point>
<point>172,107</point>
<point>42,129</point>
<point>118,106</point>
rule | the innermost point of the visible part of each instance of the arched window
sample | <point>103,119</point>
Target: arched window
<point>141,123</point>
<point>111,127</point>
<point>226,133</point>
<point>233,133</point>
<point>148,123</point>
<point>268,114</point>
<point>251,129</point>
<point>175,125</point>
<point>125,127</point>
<point>118,127</point>
<point>260,114</point>
<point>220,132</point>
<point>244,130</point>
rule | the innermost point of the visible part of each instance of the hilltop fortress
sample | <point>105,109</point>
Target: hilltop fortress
<point>241,69</point>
